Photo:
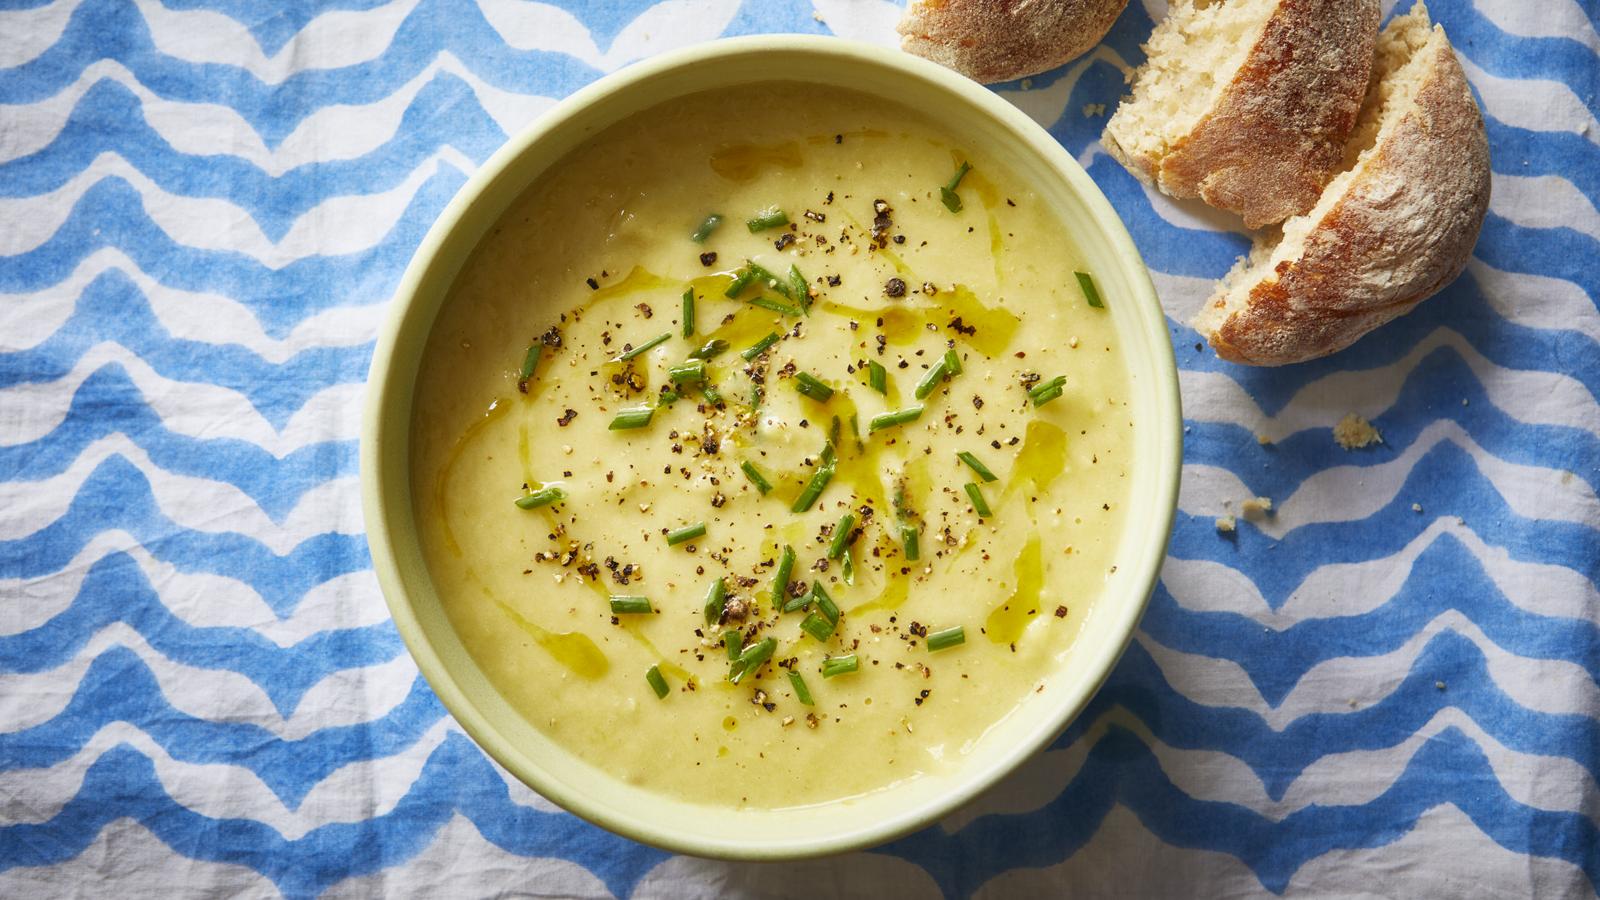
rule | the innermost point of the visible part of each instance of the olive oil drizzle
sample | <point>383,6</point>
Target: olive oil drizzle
<point>441,481</point>
<point>1008,620</point>
<point>572,649</point>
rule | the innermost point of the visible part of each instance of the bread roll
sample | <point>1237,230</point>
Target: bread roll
<point>1246,104</point>
<point>998,40</point>
<point>1392,229</point>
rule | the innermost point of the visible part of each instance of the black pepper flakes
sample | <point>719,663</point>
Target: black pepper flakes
<point>784,240</point>
<point>895,287</point>
<point>593,285</point>
<point>567,417</point>
<point>708,258</point>
<point>882,221</point>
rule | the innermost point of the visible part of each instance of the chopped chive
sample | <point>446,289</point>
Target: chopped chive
<point>848,569</point>
<point>855,428</point>
<point>780,578</point>
<point>910,538</point>
<point>841,535</point>
<point>1043,393</point>
<point>709,349</point>
<point>686,533</point>
<point>667,397</point>
<point>945,638</point>
<point>637,417</point>
<point>771,217</point>
<point>690,372</point>
<point>930,380</point>
<point>978,503</point>
<point>756,396</point>
<point>751,659</point>
<point>628,606</point>
<point>825,604</point>
<point>840,665</point>
<point>767,277</point>
<point>807,384</point>
<point>1046,396</point>
<point>688,312</point>
<point>755,476</point>
<point>740,282</point>
<point>891,419</point>
<point>658,682</point>
<point>759,347</point>
<point>952,200</point>
<point>952,362</point>
<point>818,626</point>
<point>541,497</point>
<point>801,692</point>
<point>530,361</point>
<point>777,306</point>
<point>797,603</point>
<point>813,489</point>
<point>975,465</point>
<point>716,600</point>
<point>878,376</point>
<point>712,395</point>
<point>1090,292</point>
<point>733,639</point>
<point>708,225</point>
<point>798,290</point>
<point>659,339</point>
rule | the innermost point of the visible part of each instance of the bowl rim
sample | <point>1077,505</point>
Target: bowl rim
<point>384,380</point>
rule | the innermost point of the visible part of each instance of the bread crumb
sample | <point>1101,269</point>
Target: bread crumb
<point>1354,432</point>
<point>1256,508</point>
<point>1093,109</point>
<point>1226,524</point>
<point>1416,507</point>
<point>1263,440</point>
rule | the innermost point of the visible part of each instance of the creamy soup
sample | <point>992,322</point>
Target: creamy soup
<point>772,448</point>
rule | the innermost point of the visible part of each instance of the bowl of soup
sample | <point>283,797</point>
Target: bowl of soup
<point>771,447</point>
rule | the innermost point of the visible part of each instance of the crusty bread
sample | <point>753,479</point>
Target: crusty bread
<point>1392,229</point>
<point>1246,104</point>
<point>998,40</point>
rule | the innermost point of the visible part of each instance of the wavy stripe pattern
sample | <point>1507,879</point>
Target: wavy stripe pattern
<point>205,202</point>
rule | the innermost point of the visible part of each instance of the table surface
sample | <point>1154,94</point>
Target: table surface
<point>1390,687</point>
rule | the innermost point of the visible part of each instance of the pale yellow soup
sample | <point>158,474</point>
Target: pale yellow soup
<point>598,253</point>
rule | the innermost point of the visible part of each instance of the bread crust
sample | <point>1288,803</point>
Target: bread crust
<point>1403,227</point>
<point>1276,134</point>
<point>999,40</point>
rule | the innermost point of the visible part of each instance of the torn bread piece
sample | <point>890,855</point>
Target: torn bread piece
<point>998,40</point>
<point>1246,104</point>
<point>1392,229</point>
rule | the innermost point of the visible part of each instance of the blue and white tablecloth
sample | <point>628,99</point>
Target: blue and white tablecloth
<point>1390,687</point>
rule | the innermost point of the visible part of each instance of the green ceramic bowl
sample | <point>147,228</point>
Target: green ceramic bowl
<point>974,116</point>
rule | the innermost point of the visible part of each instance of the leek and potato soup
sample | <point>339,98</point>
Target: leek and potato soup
<point>772,448</point>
